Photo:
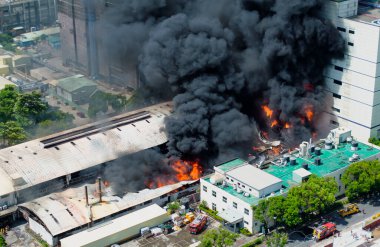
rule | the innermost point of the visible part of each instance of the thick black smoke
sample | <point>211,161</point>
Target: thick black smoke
<point>221,60</point>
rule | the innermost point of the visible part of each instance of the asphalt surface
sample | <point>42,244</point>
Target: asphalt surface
<point>303,237</point>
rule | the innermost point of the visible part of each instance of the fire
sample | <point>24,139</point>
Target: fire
<point>309,113</point>
<point>184,171</point>
<point>276,150</point>
<point>287,126</point>
<point>274,123</point>
<point>268,111</point>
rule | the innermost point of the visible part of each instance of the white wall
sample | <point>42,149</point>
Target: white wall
<point>40,230</point>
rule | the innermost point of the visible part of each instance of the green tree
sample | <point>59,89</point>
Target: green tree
<point>7,42</point>
<point>117,102</point>
<point>361,178</point>
<point>29,108</point>
<point>218,238</point>
<point>173,206</point>
<point>292,215</point>
<point>2,241</point>
<point>277,240</point>
<point>270,210</point>
<point>11,133</point>
<point>98,103</point>
<point>8,97</point>
<point>314,196</point>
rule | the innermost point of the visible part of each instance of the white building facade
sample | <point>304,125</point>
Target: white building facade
<point>353,84</point>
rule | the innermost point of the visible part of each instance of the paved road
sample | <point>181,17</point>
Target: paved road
<point>303,238</point>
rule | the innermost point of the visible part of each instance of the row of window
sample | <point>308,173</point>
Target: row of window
<point>234,204</point>
<point>342,29</point>
<point>242,185</point>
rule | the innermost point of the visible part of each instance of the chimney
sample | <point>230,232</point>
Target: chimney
<point>100,188</point>
<point>86,193</point>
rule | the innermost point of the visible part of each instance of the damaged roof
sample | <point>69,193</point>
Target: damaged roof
<point>37,161</point>
<point>63,211</point>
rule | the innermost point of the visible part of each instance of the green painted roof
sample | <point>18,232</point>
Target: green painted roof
<point>332,160</point>
<point>229,165</point>
<point>73,83</point>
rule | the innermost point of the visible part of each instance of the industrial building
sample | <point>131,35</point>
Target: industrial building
<point>69,213</point>
<point>80,46</point>
<point>30,38</point>
<point>43,166</point>
<point>119,229</point>
<point>353,83</point>
<point>236,186</point>
<point>77,89</point>
<point>26,15</point>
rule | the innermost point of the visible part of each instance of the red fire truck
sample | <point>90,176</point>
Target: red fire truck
<point>324,231</point>
<point>198,224</point>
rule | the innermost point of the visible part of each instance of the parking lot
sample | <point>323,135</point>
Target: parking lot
<point>180,238</point>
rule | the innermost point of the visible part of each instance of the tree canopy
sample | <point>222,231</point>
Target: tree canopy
<point>2,241</point>
<point>277,240</point>
<point>23,115</point>
<point>218,238</point>
<point>361,178</point>
<point>303,202</point>
<point>100,101</point>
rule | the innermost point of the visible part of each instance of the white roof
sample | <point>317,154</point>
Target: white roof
<point>44,159</point>
<point>302,172</point>
<point>4,82</point>
<point>89,236</point>
<point>253,177</point>
<point>66,210</point>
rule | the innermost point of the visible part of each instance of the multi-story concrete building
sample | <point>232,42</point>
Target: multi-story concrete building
<point>25,14</point>
<point>236,186</point>
<point>81,49</point>
<point>353,84</point>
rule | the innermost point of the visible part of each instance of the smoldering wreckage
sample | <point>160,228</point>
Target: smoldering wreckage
<point>245,78</point>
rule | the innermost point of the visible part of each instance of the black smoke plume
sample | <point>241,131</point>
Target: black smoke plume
<point>221,61</point>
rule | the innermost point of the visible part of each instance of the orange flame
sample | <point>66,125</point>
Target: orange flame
<point>267,110</point>
<point>184,171</point>
<point>309,113</point>
<point>276,150</point>
<point>287,126</point>
<point>274,123</point>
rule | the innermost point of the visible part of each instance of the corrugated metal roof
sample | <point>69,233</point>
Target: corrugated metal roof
<point>72,83</point>
<point>63,211</point>
<point>36,164</point>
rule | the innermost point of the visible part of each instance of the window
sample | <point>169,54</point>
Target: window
<point>224,199</point>
<point>350,44</point>
<point>147,202</point>
<point>246,222</point>
<point>338,68</point>
<point>246,211</point>
<point>337,96</point>
<point>334,123</point>
<point>213,205</point>
<point>340,176</point>
<point>213,193</point>
<point>243,186</point>
<point>238,183</point>
<point>204,188</point>
<point>341,29</point>
<point>232,180</point>
<point>250,189</point>
<point>351,31</point>
<point>338,82</point>
<point>228,178</point>
<point>339,187</point>
<point>234,204</point>
<point>335,109</point>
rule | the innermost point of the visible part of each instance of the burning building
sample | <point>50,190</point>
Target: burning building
<point>46,165</point>
<point>236,185</point>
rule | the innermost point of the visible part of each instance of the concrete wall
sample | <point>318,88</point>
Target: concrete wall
<point>221,205</point>
<point>357,86</point>
<point>40,230</point>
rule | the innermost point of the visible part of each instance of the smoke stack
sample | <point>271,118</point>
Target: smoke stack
<point>100,188</point>
<point>86,194</point>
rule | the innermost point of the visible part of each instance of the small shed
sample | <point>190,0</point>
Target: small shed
<point>76,89</point>
<point>301,175</point>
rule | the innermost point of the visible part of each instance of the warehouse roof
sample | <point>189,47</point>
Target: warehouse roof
<point>90,236</point>
<point>73,83</point>
<point>253,177</point>
<point>31,36</point>
<point>44,159</point>
<point>64,211</point>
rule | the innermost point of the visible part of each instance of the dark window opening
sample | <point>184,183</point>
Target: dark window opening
<point>338,68</point>
<point>334,123</point>
<point>350,44</point>
<point>351,31</point>
<point>338,82</point>
<point>335,109</point>
<point>73,143</point>
<point>56,148</point>
<point>337,96</point>
<point>341,29</point>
